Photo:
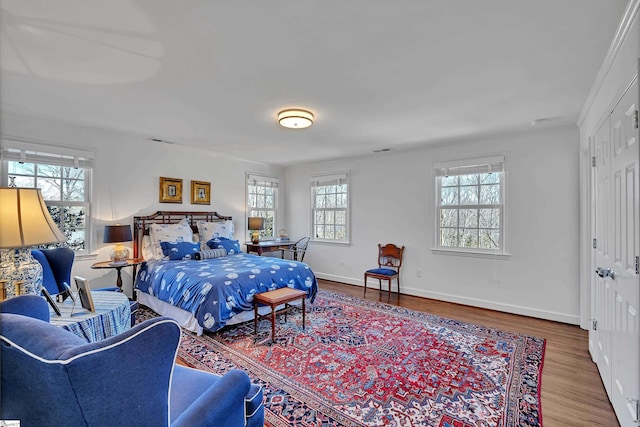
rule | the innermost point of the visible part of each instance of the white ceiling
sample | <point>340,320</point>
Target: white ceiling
<point>377,73</point>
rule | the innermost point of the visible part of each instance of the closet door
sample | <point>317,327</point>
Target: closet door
<point>625,381</point>
<point>615,335</point>
<point>600,334</point>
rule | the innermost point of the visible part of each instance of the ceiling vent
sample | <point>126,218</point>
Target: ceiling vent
<point>163,141</point>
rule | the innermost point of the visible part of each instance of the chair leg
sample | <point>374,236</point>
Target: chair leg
<point>365,286</point>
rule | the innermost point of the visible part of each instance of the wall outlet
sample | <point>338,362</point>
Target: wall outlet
<point>419,272</point>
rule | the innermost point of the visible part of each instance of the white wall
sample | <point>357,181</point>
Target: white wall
<point>126,180</point>
<point>392,200</point>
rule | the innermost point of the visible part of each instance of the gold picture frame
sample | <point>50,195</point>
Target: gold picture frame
<point>170,190</point>
<point>200,193</point>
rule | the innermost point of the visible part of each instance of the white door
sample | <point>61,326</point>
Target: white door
<point>625,388</point>
<point>616,306</point>
<point>600,335</point>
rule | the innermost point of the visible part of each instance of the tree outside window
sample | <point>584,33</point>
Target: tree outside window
<point>330,207</point>
<point>470,207</point>
<point>262,201</point>
<point>64,189</point>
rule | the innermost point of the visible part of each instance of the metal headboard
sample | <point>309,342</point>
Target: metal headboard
<point>141,223</point>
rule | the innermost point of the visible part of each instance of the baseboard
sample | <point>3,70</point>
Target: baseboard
<point>474,302</point>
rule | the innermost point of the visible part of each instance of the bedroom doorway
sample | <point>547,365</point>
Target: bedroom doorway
<point>614,336</point>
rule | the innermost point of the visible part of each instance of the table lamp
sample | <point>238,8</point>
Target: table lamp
<point>255,224</point>
<point>24,222</point>
<point>118,234</point>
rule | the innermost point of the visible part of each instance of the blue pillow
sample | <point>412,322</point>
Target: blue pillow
<point>232,246</point>
<point>179,250</point>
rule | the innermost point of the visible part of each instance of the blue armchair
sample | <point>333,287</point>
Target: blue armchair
<point>56,273</point>
<point>56,267</point>
<point>52,377</point>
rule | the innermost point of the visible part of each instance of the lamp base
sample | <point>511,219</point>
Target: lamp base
<point>255,237</point>
<point>119,254</point>
<point>28,271</point>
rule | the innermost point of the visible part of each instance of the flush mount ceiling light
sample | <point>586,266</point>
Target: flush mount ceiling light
<point>295,118</point>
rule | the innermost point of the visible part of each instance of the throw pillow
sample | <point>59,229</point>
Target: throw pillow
<point>179,250</point>
<point>232,246</point>
<point>211,253</point>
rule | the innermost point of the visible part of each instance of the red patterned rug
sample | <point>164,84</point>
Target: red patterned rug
<point>363,363</point>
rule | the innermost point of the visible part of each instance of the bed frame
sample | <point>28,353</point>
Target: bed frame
<point>141,223</point>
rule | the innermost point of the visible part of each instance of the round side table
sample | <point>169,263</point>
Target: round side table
<point>119,266</point>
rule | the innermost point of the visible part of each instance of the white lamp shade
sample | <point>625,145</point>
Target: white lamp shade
<point>25,220</point>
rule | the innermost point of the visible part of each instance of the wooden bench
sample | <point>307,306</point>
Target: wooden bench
<point>274,299</point>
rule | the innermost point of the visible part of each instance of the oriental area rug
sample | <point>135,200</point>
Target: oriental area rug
<point>365,363</point>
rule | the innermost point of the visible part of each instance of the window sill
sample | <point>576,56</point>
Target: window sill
<point>84,256</point>
<point>331,242</point>
<point>452,252</point>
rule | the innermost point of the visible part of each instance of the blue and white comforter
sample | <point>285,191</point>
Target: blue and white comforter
<point>214,290</point>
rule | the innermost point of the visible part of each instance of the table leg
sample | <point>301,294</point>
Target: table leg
<point>303,312</point>
<point>119,280</point>
<point>255,318</point>
<point>273,324</point>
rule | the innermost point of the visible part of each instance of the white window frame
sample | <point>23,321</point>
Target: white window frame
<point>27,152</point>
<point>317,181</point>
<point>263,181</point>
<point>480,165</point>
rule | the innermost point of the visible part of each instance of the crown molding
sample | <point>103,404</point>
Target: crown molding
<point>622,33</point>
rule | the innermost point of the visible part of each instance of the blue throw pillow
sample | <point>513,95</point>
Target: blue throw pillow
<point>179,250</point>
<point>232,246</point>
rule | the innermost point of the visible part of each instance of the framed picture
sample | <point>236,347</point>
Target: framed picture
<point>50,300</point>
<point>170,190</point>
<point>200,193</point>
<point>84,294</point>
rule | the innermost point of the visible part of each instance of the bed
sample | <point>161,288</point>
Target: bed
<point>205,289</point>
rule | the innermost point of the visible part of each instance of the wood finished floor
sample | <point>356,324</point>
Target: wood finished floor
<point>572,393</point>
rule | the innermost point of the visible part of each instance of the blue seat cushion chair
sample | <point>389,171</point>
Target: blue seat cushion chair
<point>383,271</point>
<point>52,377</point>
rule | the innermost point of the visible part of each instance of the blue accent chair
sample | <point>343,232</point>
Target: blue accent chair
<point>56,268</point>
<point>52,377</point>
<point>56,273</point>
<point>389,263</point>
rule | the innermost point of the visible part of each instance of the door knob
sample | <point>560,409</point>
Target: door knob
<point>605,272</point>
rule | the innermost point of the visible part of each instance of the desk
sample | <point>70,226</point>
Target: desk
<point>109,264</point>
<point>266,246</point>
<point>112,316</point>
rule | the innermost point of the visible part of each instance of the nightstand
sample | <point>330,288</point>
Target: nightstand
<point>119,266</point>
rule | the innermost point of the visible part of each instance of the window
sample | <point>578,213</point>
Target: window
<point>330,208</point>
<point>64,179</point>
<point>262,201</point>
<point>470,205</point>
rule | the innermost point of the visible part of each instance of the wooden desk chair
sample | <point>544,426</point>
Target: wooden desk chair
<point>389,263</point>
<point>296,251</point>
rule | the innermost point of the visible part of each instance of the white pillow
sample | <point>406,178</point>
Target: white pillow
<point>174,233</point>
<point>209,230</point>
<point>147,250</point>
